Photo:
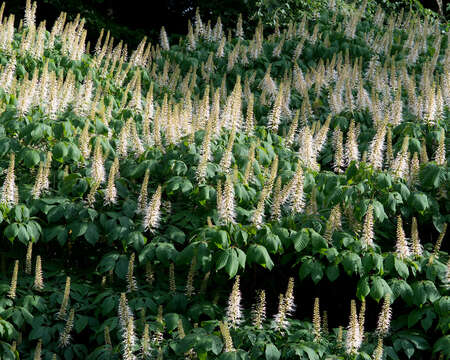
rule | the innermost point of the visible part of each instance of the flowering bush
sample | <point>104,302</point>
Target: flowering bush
<point>307,167</point>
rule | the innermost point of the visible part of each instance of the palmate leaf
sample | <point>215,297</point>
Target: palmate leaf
<point>258,254</point>
<point>77,235</point>
<point>442,345</point>
<point>31,158</point>
<point>272,353</point>
<point>300,239</point>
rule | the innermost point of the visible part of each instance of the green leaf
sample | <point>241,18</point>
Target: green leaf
<point>258,254</point>
<point>81,322</point>
<point>427,321</point>
<point>442,306</point>
<point>78,228</point>
<point>420,294</point>
<point>379,288</point>
<point>232,355</point>
<point>137,239</point>
<point>318,241</point>
<point>91,233</point>
<point>241,257</point>
<point>171,321</point>
<point>272,353</point>
<point>221,239</point>
<point>332,272</point>
<point>401,288</point>
<point>173,184</point>
<point>401,267</point>
<point>11,231</point>
<point>431,291</point>
<point>60,151</point>
<point>352,263</point>
<point>316,271</point>
<point>378,211</point>
<point>312,355</point>
<point>22,234</point>
<point>166,252</point>
<point>414,317</point>
<point>5,144</point>
<point>305,269</point>
<point>272,242</point>
<point>21,213</point>
<point>175,234</point>
<point>300,240</point>
<point>108,305</point>
<point>31,158</point>
<point>362,289</point>
<point>408,347</point>
<point>55,214</point>
<point>108,262</point>
<point>232,264</point>
<point>431,176</point>
<point>222,259</point>
<point>121,268</point>
<point>384,180</point>
<point>389,262</point>
<point>419,201</point>
<point>391,353</point>
<point>442,346</point>
<point>186,186</point>
<point>73,153</point>
<point>34,230</point>
<point>418,341</point>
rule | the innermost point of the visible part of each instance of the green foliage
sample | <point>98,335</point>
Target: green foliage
<point>110,192</point>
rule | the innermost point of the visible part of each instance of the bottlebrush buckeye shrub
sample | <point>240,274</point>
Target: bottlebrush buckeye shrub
<point>166,189</point>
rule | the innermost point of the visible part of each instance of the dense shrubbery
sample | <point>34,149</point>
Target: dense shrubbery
<point>126,22</point>
<point>142,194</point>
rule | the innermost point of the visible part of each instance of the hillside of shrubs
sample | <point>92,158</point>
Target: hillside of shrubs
<point>283,195</point>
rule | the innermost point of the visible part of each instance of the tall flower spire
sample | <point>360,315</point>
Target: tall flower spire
<point>275,115</point>
<point>131,280</point>
<point>38,278</point>
<point>367,236</point>
<point>153,212</point>
<point>98,169</point>
<point>190,278</point>
<point>234,310</point>
<point>289,297</point>
<point>416,247</point>
<point>377,147</point>
<point>384,318</point>
<point>37,188</point>
<point>259,310</point>
<point>126,321</point>
<point>225,331</point>
<point>439,156</point>
<point>316,320</point>
<point>401,247</point>
<point>65,301</point>
<point>64,338</point>
<point>164,39</point>
<point>351,146</point>
<point>38,350</point>
<point>353,339</point>
<point>339,160</point>
<point>280,317</point>
<point>10,193</point>
<point>298,197</point>
<point>13,286</point>
<point>226,202</point>
<point>111,191</point>
<point>142,199</point>
<point>28,258</point>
